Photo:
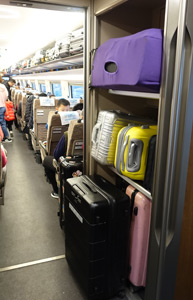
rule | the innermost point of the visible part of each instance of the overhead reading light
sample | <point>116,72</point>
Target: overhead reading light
<point>7,13</point>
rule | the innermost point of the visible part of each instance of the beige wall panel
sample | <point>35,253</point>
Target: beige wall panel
<point>110,31</point>
<point>134,105</point>
<point>101,6</point>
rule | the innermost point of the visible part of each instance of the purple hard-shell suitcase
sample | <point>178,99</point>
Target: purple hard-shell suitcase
<point>129,63</point>
<point>139,236</point>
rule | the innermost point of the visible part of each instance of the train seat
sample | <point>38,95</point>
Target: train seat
<point>74,145</point>
<point>40,115</point>
<point>75,138</point>
<point>54,133</point>
<point>23,106</point>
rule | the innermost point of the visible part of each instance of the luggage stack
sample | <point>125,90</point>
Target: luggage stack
<point>77,42</point>
<point>104,134</point>
<point>64,45</point>
<point>96,235</point>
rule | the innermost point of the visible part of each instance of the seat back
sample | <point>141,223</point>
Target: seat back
<point>12,94</point>
<point>24,100</point>
<point>75,138</point>
<point>19,103</point>
<point>40,119</point>
<point>55,131</point>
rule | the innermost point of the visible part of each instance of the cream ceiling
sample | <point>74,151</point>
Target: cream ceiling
<point>25,30</point>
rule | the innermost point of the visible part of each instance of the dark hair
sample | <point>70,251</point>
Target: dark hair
<point>78,106</point>
<point>42,95</point>
<point>12,80</point>
<point>1,79</point>
<point>63,101</point>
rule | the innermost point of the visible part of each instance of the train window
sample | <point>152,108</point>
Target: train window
<point>33,85</point>
<point>42,88</point>
<point>76,91</point>
<point>5,78</point>
<point>56,89</point>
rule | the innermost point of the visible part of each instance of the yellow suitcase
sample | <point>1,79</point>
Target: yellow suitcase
<point>132,150</point>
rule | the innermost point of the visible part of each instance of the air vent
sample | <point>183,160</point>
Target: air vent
<point>21,3</point>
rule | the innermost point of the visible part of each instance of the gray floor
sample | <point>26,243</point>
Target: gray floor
<point>29,231</point>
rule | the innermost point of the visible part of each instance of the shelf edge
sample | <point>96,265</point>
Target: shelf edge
<point>133,183</point>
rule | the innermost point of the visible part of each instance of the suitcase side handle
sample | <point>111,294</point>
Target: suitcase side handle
<point>122,152</point>
<point>95,132</point>
<point>134,158</point>
<point>135,149</point>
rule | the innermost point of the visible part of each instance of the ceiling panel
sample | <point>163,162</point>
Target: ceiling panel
<point>25,30</point>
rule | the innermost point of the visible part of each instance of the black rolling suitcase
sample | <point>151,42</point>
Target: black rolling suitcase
<point>96,235</point>
<point>68,167</point>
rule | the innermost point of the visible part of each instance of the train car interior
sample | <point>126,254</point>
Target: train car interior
<point>96,140</point>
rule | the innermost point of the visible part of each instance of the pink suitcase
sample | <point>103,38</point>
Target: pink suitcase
<point>139,237</point>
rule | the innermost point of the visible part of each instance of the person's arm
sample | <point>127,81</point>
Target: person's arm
<point>60,149</point>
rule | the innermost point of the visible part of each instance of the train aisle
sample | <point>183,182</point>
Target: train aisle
<point>30,232</point>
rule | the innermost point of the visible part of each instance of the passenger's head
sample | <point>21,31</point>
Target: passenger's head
<point>17,86</point>
<point>63,105</point>
<point>78,106</point>
<point>11,82</point>
<point>42,95</point>
<point>1,79</point>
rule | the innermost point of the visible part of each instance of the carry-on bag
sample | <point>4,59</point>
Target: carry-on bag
<point>139,237</point>
<point>129,63</point>
<point>96,235</point>
<point>132,150</point>
<point>68,167</point>
<point>105,131</point>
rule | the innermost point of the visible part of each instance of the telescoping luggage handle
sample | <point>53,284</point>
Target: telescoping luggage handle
<point>134,155</point>
<point>95,132</point>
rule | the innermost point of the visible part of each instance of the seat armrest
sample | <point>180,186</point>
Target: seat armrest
<point>43,146</point>
<point>56,165</point>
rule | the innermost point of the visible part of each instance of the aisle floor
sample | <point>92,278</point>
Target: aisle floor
<point>30,233</point>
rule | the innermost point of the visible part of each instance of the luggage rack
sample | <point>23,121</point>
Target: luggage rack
<point>135,94</point>
<point>74,60</point>
<point>133,183</point>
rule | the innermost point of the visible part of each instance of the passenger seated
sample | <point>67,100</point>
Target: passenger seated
<point>50,170</point>
<point>62,105</point>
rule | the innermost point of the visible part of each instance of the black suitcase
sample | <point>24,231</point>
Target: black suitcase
<point>67,167</point>
<point>96,235</point>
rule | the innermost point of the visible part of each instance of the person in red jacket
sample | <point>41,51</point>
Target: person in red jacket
<point>9,116</point>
